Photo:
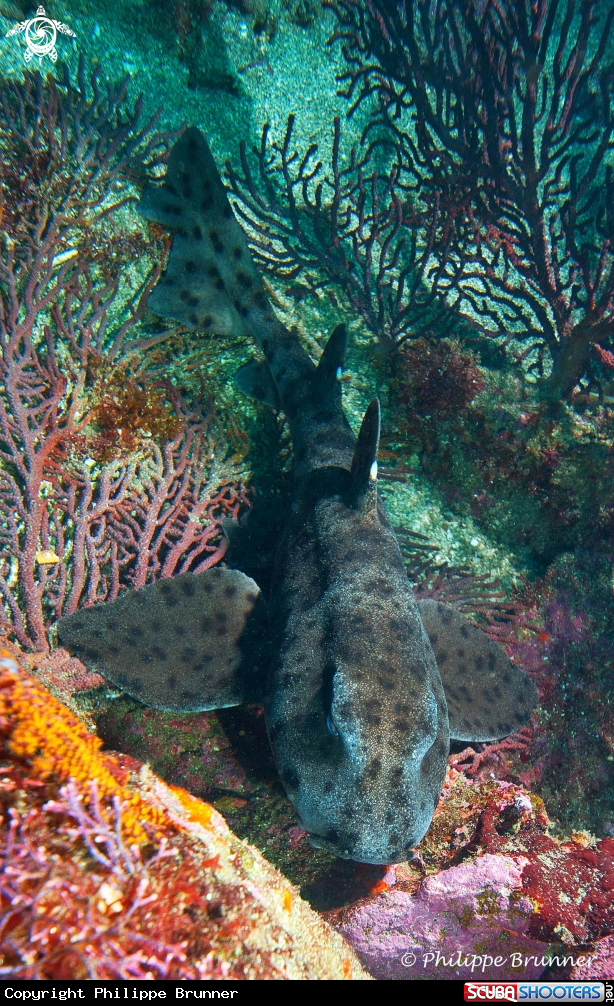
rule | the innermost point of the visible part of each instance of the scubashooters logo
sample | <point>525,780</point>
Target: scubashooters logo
<point>535,991</point>
<point>41,33</point>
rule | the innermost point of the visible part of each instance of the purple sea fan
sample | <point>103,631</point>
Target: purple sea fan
<point>349,225</point>
<point>508,105</point>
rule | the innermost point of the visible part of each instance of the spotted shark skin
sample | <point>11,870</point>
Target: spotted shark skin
<point>354,701</point>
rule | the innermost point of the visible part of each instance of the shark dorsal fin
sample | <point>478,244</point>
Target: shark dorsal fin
<point>364,462</point>
<point>331,362</point>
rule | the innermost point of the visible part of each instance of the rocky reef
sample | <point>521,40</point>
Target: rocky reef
<point>511,902</point>
<point>91,839</point>
<point>107,873</point>
<point>125,445</point>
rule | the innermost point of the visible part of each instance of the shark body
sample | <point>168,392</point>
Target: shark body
<point>360,698</point>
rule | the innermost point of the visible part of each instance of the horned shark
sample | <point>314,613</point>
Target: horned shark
<point>363,687</point>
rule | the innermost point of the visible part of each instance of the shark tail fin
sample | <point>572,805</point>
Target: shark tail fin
<point>364,462</point>
<point>210,251</point>
<point>330,364</point>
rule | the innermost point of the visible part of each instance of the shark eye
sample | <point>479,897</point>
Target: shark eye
<point>330,726</point>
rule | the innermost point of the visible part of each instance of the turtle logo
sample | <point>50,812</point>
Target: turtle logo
<point>41,33</point>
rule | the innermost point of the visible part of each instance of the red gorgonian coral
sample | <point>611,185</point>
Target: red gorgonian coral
<point>87,508</point>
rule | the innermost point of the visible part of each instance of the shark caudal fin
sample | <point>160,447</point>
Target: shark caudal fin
<point>209,246</point>
<point>488,696</point>
<point>185,643</point>
<point>211,283</point>
<point>363,491</point>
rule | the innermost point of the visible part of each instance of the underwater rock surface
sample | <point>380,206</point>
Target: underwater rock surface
<point>513,900</point>
<point>462,913</point>
<point>602,965</point>
<point>109,874</point>
<point>488,882</point>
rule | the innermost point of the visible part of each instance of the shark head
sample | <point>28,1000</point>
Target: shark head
<point>368,686</point>
<point>360,730</point>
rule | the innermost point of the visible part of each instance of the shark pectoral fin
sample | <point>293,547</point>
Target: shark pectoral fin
<point>185,643</point>
<point>254,379</point>
<point>330,364</point>
<point>488,696</point>
<point>364,463</point>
